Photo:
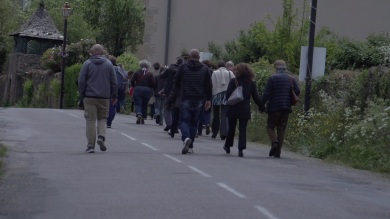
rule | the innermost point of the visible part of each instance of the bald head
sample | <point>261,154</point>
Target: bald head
<point>97,50</point>
<point>194,55</point>
<point>229,65</point>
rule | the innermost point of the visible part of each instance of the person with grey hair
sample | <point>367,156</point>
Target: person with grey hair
<point>230,66</point>
<point>97,85</point>
<point>277,95</point>
<point>195,81</point>
<point>143,82</point>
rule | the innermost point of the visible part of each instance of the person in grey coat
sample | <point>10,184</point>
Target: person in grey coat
<point>97,85</point>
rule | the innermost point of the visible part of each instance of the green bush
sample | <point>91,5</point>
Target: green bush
<point>55,87</point>
<point>129,61</point>
<point>71,90</point>
<point>41,97</point>
<point>28,91</point>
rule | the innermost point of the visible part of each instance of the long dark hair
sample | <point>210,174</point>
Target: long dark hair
<point>244,70</point>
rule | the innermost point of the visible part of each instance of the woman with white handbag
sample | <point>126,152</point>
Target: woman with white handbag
<point>239,93</point>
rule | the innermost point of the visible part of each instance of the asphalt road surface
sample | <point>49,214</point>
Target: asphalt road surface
<point>143,174</point>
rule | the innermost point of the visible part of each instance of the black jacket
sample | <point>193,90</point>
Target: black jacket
<point>277,93</point>
<point>242,110</point>
<point>195,81</point>
<point>169,76</point>
<point>159,86</point>
<point>148,80</point>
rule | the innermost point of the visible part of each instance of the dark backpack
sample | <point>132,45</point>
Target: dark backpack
<point>121,77</point>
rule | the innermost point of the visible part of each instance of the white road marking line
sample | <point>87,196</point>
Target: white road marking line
<point>265,212</point>
<point>231,190</point>
<point>129,136</point>
<point>73,115</point>
<point>150,146</point>
<point>177,160</point>
<point>199,171</point>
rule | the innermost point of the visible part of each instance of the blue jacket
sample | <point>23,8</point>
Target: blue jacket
<point>277,93</point>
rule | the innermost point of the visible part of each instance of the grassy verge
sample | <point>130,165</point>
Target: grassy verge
<point>3,150</point>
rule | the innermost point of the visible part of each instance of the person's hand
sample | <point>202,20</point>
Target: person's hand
<point>113,101</point>
<point>166,67</point>
<point>207,105</point>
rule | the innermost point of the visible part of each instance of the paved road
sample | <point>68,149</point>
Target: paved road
<point>144,175</point>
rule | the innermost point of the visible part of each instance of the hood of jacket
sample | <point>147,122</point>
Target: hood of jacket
<point>98,59</point>
<point>174,68</point>
<point>194,65</point>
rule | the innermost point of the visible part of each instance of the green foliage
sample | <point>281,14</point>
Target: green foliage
<point>11,19</point>
<point>3,151</point>
<point>129,61</point>
<point>28,91</point>
<point>55,88</point>
<point>75,53</point>
<point>41,97</point>
<point>120,23</point>
<point>71,90</point>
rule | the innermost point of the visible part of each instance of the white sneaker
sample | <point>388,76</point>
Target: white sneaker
<point>187,142</point>
<point>190,151</point>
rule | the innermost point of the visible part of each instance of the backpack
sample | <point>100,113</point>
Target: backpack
<point>121,77</point>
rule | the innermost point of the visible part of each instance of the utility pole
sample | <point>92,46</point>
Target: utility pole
<point>313,18</point>
<point>167,33</point>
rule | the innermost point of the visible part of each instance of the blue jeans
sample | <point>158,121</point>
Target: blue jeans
<point>159,105</point>
<point>204,120</point>
<point>121,100</point>
<point>190,111</point>
<point>111,114</point>
<point>141,98</point>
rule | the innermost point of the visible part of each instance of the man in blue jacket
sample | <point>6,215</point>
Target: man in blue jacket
<point>97,85</point>
<point>277,95</point>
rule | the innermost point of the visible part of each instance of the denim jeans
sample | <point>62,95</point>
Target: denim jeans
<point>121,100</point>
<point>159,105</point>
<point>204,120</point>
<point>111,113</point>
<point>141,97</point>
<point>190,111</point>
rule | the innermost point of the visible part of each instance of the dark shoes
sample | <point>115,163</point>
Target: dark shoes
<point>213,136</point>
<point>167,128</point>
<point>158,119</point>
<point>240,154</point>
<point>100,142</point>
<point>223,137</point>
<point>142,121</point>
<point>207,129</point>
<point>139,118</point>
<point>109,126</point>
<point>274,149</point>
<point>227,149</point>
<point>90,150</point>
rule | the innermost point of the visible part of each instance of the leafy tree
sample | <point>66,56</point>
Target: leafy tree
<point>120,23</point>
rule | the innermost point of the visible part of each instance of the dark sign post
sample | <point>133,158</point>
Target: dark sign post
<point>313,18</point>
<point>66,13</point>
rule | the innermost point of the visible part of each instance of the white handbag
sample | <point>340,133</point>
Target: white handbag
<point>236,96</point>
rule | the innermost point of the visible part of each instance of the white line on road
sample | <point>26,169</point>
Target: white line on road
<point>177,160</point>
<point>231,190</point>
<point>129,136</point>
<point>199,171</point>
<point>73,115</point>
<point>150,146</point>
<point>265,212</point>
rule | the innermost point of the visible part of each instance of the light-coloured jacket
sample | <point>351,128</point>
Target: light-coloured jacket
<point>221,79</point>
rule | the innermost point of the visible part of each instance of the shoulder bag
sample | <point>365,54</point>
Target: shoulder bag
<point>294,97</point>
<point>236,96</point>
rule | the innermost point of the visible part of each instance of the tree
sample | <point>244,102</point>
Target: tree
<point>121,23</point>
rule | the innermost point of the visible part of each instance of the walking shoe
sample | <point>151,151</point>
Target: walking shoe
<point>158,119</point>
<point>213,136</point>
<point>109,126</point>
<point>187,142</point>
<point>277,156</point>
<point>100,142</point>
<point>223,137</point>
<point>196,136</point>
<point>190,151</point>
<point>207,129</point>
<point>167,128</point>
<point>142,121</point>
<point>154,116</point>
<point>240,154</point>
<point>199,133</point>
<point>227,149</point>
<point>90,150</point>
<point>177,131</point>
<point>139,117</point>
<point>160,124</point>
<point>275,147</point>
<point>122,110</point>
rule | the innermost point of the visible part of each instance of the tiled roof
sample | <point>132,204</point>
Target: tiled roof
<point>40,25</point>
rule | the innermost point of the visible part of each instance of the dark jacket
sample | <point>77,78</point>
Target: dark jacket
<point>169,76</point>
<point>159,86</point>
<point>148,80</point>
<point>97,79</point>
<point>277,93</point>
<point>174,98</point>
<point>195,81</point>
<point>242,110</point>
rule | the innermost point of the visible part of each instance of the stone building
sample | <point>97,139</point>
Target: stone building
<point>194,23</point>
<point>37,35</point>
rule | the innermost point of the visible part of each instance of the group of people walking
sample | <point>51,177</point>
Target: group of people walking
<point>184,95</point>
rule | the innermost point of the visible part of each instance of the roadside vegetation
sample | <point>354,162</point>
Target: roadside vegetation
<point>3,150</point>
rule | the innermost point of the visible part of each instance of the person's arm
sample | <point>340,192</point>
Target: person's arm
<point>256,97</point>
<point>267,91</point>
<point>179,76</point>
<point>165,74</point>
<point>114,83</point>
<point>82,81</point>
<point>296,87</point>
<point>231,87</point>
<point>134,79</point>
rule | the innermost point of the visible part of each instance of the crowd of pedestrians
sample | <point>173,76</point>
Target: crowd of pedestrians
<point>184,96</point>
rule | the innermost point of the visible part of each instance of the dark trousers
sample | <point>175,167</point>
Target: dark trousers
<point>190,110</point>
<point>111,114</point>
<point>232,131</point>
<point>204,120</point>
<point>219,122</point>
<point>141,97</point>
<point>152,110</point>
<point>175,114</point>
<point>279,121</point>
<point>121,100</point>
<point>132,105</point>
